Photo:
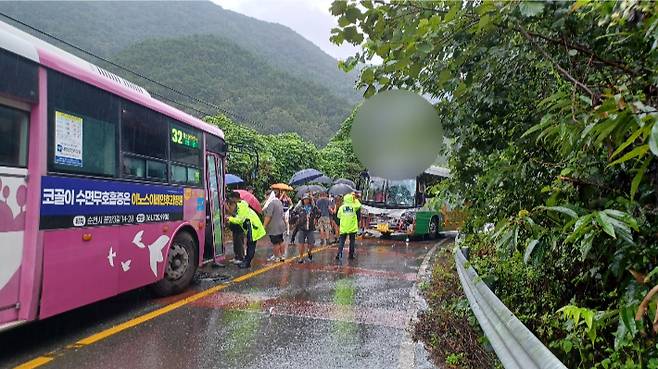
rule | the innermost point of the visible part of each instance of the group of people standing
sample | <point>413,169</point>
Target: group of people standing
<point>336,218</point>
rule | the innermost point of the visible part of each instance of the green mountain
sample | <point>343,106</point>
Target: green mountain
<point>218,70</point>
<point>265,71</point>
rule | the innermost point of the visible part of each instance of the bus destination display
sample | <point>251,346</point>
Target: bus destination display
<point>180,137</point>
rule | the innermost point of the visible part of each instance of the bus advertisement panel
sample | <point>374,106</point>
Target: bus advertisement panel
<point>81,202</point>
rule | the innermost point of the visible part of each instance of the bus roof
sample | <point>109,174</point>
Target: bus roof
<point>41,52</point>
<point>438,171</point>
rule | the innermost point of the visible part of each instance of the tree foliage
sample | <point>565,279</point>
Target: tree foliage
<point>279,156</point>
<point>552,110</point>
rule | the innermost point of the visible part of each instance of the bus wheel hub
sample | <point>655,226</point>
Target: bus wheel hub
<point>178,262</point>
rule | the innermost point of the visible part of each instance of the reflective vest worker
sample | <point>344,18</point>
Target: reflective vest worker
<point>349,224</point>
<point>250,222</point>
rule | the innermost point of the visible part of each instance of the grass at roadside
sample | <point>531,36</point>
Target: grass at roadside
<point>448,328</point>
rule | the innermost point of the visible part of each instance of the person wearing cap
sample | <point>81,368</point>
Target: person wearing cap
<point>247,218</point>
<point>349,224</point>
<point>307,216</point>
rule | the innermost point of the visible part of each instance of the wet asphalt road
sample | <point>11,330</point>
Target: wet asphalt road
<point>320,314</point>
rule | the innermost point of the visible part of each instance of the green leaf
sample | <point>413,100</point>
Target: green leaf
<point>484,22</point>
<point>456,5</point>
<point>567,346</point>
<point>586,245</point>
<point>352,14</point>
<point>338,7</point>
<point>604,221</point>
<point>444,76</point>
<point>369,91</point>
<point>343,21</point>
<point>627,317</point>
<point>653,139</point>
<point>529,250</point>
<point>588,317</point>
<point>531,8</point>
<point>629,141</point>
<point>623,216</point>
<point>367,76</point>
<point>637,179</point>
<point>637,152</point>
<point>561,209</point>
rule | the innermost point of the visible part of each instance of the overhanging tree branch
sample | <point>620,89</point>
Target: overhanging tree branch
<point>562,71</point>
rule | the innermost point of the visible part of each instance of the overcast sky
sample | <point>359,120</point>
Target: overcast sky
<point>309,18</point>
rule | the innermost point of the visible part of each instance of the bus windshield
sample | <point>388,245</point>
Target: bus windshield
<point>376,190</point>
<point>401,193</point>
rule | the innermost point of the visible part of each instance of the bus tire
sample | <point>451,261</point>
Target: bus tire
<point>433,231</point>
<point>181,266</point>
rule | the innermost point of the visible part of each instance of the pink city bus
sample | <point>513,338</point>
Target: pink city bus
<point>103,189</point>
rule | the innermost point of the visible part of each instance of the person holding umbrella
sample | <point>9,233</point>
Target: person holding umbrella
<point>349,224</point>
<point>250,223</point>
<point>307,216</point>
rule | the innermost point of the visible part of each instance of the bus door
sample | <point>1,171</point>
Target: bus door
<point>13,197</point>
<point>215,193</point>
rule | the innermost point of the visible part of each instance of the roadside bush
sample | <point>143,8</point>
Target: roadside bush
<point>448,328</point>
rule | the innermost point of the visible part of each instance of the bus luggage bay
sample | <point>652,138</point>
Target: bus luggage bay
<point>103,189</point>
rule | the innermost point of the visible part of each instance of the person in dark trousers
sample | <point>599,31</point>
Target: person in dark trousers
<point>349,224</point>
<point>293,221</point>
<point>250,223</point>
<point>308,215</point>
<point>238,243</point>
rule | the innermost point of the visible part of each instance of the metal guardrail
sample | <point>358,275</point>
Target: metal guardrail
<point>515,346</point>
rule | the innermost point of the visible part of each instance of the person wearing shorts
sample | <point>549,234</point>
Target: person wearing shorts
<point>308,215</point>
<point>275,226</point>
<point>325,227</point>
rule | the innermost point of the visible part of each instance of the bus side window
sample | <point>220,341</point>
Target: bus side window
<point>83,126</point>
<point>13,137</point>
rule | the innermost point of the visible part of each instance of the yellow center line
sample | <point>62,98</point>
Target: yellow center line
<point>44,359</point>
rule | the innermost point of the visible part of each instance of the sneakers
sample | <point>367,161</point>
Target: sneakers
<point>236,261</point>
<point>300,261</point>
<point>244,266</point>
<point>272,258</point>
<point>309,255</point>
<point>281,260</point>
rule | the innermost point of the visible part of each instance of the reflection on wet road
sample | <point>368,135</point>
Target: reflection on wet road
<point>317,314</point>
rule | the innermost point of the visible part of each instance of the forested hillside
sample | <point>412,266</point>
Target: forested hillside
<point>300,83</point>
<point>218,70</point>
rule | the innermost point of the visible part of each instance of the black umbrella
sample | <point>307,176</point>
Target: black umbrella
<point>340,189</point>
<point>301,190</point>
<point>345,181</point>
<point>323,179</point>
<point>304,176</point>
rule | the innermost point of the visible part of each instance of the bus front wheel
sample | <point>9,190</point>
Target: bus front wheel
<point>180,268</point>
